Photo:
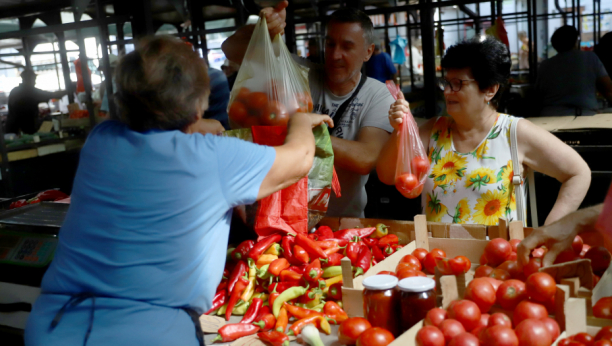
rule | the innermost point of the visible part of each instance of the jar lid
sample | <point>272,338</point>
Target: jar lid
<point>380,282</point>
<point>417,284</point>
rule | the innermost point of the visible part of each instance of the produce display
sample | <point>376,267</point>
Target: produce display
<point>45,196</point>
<point>602,338</point>
<point>284,283</point>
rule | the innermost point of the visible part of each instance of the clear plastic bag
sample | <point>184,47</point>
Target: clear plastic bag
<point>412,162</point>
<point>270,85</point>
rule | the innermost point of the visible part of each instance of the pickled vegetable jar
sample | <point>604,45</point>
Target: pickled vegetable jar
<point>381,300</point>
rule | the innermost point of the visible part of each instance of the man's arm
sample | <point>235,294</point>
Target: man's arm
<point>235,46</point>
<point>360,156</point>
<point>45,96</point>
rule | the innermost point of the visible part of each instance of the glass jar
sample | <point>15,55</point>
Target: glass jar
<point>381,302</point>
<point>418,296</point>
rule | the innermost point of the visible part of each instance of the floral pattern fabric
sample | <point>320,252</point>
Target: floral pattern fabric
<point>474,187</point>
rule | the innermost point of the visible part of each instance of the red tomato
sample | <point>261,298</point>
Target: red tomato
<point>539,252</point>
<point>243,94</point>
<point>553,327</point>
<point>585,248</point>
<point>540,287</point>
<point>568,342</point>
<point>603,308</point>
<point>602,343</point>
<point>532,267</point>
<point>600,259</point>
<point>410,259</point>
<point>251,121</point>
<point>566,256</point>
<point>512,268</point>
<point>481,292</point>
<point>484,320</point>
<point>304,103</point>
<point>459,265</point>
<point>584,338</point>
<point>420,165</point>
<point>349,330</point>
<point>478,331</point>
<point>275,114</point>
<point>451,328</point>
<point>500,274</point>
<point>510,293</point>
<point>532,332</point>
<point>494,282</point>
<point>257,102</point>
<point>375,337</point>
<point>577,245</point>
<point>528,310</point>
<point>499,336</point>
<point>408,273</point>
<point>497,251</point>
<point>404,265</point>
<point>420,254</point>
<point>238,112</point>
<point>514,243</point>
<point>438,252</point>
<point>443,265</point>
<point>604,333</point>
<point>434,317</point>
<point>431,260</point>
<point>483,271</point>
<point>405,183</point>
<point>464,339</point>
<point>483,260</point>
<point>512,257</point>
<point>387,272</point>
<point>430,336</point>
<point>500,319</point>
<point>466,312</point>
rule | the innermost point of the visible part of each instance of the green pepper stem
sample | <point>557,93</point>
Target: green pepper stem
<point>217,338</point>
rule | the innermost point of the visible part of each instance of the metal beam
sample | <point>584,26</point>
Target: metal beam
<point>41,7</point>
<point>60,28</point>
<point>429,57</point>
<point>85,74</point>
<point>108,76</point>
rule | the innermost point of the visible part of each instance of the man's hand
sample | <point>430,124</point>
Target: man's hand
<point>275,17</point>
<point>205,126</point>
<point>398,111</point>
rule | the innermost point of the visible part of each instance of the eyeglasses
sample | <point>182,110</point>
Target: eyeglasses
<point>455,84</point>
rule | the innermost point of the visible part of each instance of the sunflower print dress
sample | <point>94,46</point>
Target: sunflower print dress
<point>475,187</point>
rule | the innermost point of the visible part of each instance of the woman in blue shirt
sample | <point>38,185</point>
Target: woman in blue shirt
<point>143,245</point>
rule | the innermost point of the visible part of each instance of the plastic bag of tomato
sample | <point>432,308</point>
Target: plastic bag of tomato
<point>412,162</point>
<point>270,86</point>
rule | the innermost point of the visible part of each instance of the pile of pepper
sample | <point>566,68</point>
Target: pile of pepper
<point>294,278</point>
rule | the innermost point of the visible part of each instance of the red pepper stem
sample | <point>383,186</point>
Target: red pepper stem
<point>217,338</point>
<point>358,271</point>
<point>261,324</point>
<point>331,319</point>
<point>325,260</point>
<point>286,343</point>
<point>290,333</point>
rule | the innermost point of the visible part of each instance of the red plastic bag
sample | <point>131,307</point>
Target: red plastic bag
<point>285,210</point>
<point>412,162</point>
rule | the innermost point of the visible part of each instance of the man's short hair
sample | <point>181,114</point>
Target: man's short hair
<point>28,73</point>
<point>351,15</point>
<point>564,38</point>
<point>160,84</point>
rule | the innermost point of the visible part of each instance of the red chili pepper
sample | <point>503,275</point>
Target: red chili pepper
<point>287,245</point>
<point>280,287</point>
<point>265,309</point>
<point>218,301</point>
<point>310,246</point>
<point>300,255</point>
<point>234,331</point>
<point>51,195</point>
<point>239,270</point>
<point>222,286</point>
<point>240,286</point>
<point>313,236</point>
<point>289,275</point>
<point>226,274</point>
<point>282,321</point>
<point>252,311</point>
<point>349,234</point>
<point>274,338</point>
<point>387,240</point>
<point>278,265</point>
<point>324,233</point>
<point>326,244</point>
<point>371,242</point>
<point>309,296</point>
<point>374,262</point>
<point>34,200</point>
<point>298,269</point>
<point>332,250</point>
<point>333,260</point>
<point>335,291</point>
<point>335,312</point>
<point>263,245</point>
<point>341,242</point>
<point>378,254</point>
<point>267,322</point>
<point>272,297</point>
<point>313,272</point>
<point>299,312</point>
<point>241,251</point>
<point>363,260</point>
<point>352,251</point>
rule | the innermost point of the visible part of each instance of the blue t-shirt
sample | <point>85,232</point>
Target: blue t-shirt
<point>380,67</point>
<point>147,233</point>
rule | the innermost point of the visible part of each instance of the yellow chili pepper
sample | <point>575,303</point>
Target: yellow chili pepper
<point>265,259</point>
<point>274,249</point>
<point>250,289</point>
<point>331,281</point>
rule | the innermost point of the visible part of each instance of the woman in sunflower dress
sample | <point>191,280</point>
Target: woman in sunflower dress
<point>470,176</point>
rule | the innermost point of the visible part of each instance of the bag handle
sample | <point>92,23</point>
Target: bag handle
<point>517,179</point>
<point>340,111</point>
